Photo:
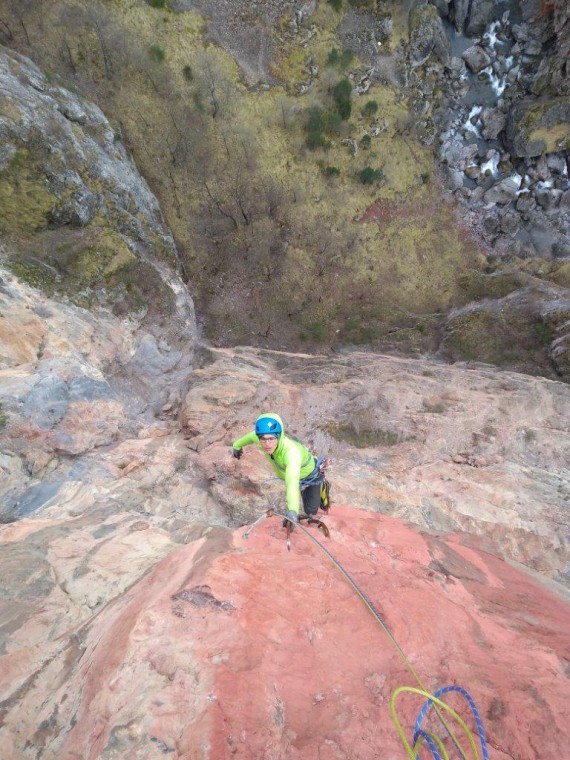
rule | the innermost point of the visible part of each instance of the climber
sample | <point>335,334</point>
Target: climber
<point>302,472</point>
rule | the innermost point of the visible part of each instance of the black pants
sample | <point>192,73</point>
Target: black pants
<point>312,499</point>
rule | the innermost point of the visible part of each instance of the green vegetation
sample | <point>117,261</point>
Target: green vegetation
<point>366,142</point>
<point>157,53</point>
<point>26,202</point>
<point>370,176</point>
<point>320,122</point>
<point>3,418</point>
<point>370,108</point>
<point>157,3</point>
<point>342,60</point>
<point>336,4</point>
<point>242,183</point>
<point>342,94</point>
<point>544,333</point>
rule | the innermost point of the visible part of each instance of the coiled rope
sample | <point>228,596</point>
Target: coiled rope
<point>433,742</point>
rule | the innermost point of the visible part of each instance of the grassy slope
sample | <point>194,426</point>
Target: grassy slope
<point>397,267</point>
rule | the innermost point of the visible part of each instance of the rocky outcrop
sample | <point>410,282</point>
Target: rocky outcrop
<point>66,177</point>
<point>72,382</point>
<point>427,37</point>
<point>538,127</point>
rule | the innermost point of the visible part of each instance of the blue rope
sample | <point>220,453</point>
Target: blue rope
<point>430,742</point>
<point>439,693</point>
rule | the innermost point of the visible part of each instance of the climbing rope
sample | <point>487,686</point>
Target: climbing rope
<point>433,742</point>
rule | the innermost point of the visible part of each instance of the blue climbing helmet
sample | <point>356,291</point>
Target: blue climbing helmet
<point>267,425</point>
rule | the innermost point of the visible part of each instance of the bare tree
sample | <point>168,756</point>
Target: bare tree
<point>213,85</point>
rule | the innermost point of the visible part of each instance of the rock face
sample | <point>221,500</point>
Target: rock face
<point>134,615</point>
<point>72,381</point>
<point>226,647</point>
<point>66,177</point>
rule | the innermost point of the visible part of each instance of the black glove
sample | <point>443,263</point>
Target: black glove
<point>237,453</point>
<point>290,520</point>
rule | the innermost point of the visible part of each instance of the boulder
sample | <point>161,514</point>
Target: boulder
<point>460,13</point>
<point>476,58</point>
<point>502,192</point>
<point>494,122</point>
<point>481,13</point>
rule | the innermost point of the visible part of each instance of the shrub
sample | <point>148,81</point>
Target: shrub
<point>366,142</point>
<point>370,176</point>
<point>317,140</point>
<point>332,171</point>
<point>333,57</point>
<point>157,3</point>
<point>315,331</point>
<point>331,122</point>
<point>319,122</point>
<point>342,92</point>
<point>3,418</point>
<point>370,108</point>
<point>187,73</point>
<point>544,333</point>
<point>343,59</point>
<point>336,4</point>
<point>156,53</point>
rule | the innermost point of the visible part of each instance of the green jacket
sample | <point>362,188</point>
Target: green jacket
<point>291,461</point>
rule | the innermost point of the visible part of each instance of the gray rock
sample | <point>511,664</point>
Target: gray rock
<point>148,360</point>
<point>427,37</point>
<point>520,32</point>
<point>459,156</point>
<point>557,164</point>
<point>502,192</point>
<point>476,58</point>
<point>47,402</point>
<point>525,203</point>
<point>533,48</point>
<point>548,198</point>
<point>481,13</point>
<point>88,389</point>
<point>32,500</point>
<point>494,122</point>
<point>473,172</point>
<point>561,249</point>
<point>510,223</point>
<point>460,12</point>
<point>541,170</point>
<point>565,200</point>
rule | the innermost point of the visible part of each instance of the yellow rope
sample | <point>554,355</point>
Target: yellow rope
<point>412,751</point>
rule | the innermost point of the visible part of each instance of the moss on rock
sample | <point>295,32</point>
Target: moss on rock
<point>26,202</point>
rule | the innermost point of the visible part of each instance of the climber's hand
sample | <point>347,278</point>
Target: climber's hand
<point>290,520</point>
<point>236,453</point>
